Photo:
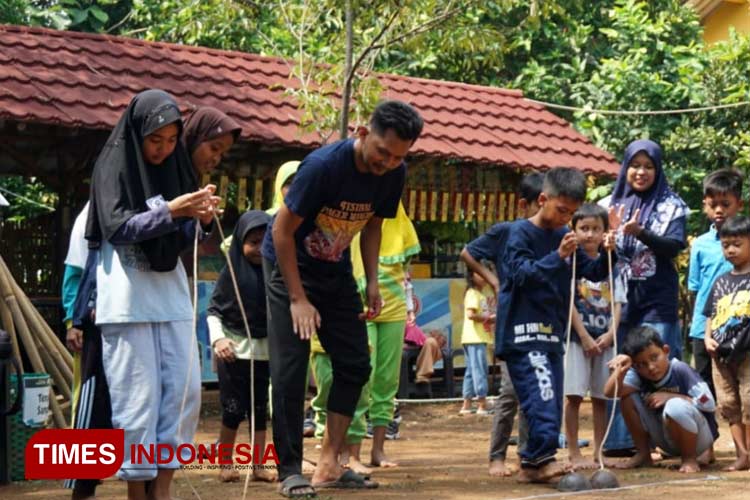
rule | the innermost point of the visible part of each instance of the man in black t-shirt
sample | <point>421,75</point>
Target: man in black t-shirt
<point>338,191</point>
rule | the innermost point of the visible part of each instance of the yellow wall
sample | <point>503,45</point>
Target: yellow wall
<point>729,13</point>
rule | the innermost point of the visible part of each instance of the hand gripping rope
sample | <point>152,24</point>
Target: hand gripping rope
<point>192,351</point>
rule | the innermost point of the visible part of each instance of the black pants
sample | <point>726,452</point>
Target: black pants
<point>234,392</point>
<point>703,363</point>
<point>343,336</point>
<point>94,409</point>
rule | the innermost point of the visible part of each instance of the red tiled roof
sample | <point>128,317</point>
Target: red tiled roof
<point>86,80</point>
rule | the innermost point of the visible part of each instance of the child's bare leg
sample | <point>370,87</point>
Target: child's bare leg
<point>377,455</point>
<point>136,490</point>
<point>228,474</point>
<point>466,406</point>
<point>498,468</point>
<point>686,441</point>
<point>481,403</point>
<point>161,485</point>
<point>350,458</point>
<point>577,461</point>
<point>739,436</point>
<point>599,412</point>
<point>638,432</point>
<point>260,473</point>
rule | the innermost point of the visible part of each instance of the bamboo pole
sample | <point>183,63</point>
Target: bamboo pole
<point>64,388</point>
<point>23,330</point>
<point>49,340</point>
<point>57,413</point>
<point>8,326</point>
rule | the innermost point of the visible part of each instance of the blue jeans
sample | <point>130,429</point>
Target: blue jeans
<point>475,377</point>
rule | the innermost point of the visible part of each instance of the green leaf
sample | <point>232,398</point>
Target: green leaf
<point>99,13</point>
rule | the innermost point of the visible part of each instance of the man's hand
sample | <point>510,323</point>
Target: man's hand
<point>74,339</point>
<point>495,284</point>
<point>568,245</point>
<point>658,399</point>
<point>305,318</point>
<point>620,364</point>
<point>225,350</point>
<point>375,302</point>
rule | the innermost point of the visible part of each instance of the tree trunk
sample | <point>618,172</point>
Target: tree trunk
<point>346,92</point>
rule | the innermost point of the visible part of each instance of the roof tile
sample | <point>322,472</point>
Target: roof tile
<point>86,80</point>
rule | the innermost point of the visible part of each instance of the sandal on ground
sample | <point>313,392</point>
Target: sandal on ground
<point>349,480</point>
<point>482,411</point>
<point>293,486</point>
<point>463,411</point>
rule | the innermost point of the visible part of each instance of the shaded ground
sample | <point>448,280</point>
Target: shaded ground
<point>442,456</point>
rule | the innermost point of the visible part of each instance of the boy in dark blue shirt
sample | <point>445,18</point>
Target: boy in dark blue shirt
<point>534,300</point>
<point>338,191</point>
<point>491,246</point>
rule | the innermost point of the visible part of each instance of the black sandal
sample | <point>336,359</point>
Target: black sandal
<point>290,487</point>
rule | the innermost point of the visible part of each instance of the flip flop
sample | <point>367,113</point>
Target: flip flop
<point>289,487</point>
<point>349,480</point>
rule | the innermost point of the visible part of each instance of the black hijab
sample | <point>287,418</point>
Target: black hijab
<point>249,280</point>
<point>122,180</point>
<point>205,124</point>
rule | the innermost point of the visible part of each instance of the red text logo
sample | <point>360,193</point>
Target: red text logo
<point>74,453</point>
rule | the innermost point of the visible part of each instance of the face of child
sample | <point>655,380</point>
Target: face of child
<point>736,250</point>
<point>158,145</point>
<point>556,212</point>
<point>208,154</point>
<point>641,172</point>
<point>720,207</point>
<point>251,245</point>
<point>590,233</point>
<point>652,362</point>
<point>286,186</point>
<point>381,153</point>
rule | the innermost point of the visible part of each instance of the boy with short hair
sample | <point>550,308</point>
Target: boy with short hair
<point>728,336</point>
<point>595,321</point>
<point>491,246</point>
<point>664,403</point>
<point>722,199</point>
<point>534,302</point>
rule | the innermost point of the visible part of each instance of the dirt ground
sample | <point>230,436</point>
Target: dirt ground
<point>442,456</point>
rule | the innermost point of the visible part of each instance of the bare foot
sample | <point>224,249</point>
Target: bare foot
<point>229,474</point>
<point>308,466</point>
<point>637,460</point>
<point>326,472</point>
<point>579,462</point>
<point>543,474</point>
<point>358,467</point>
<point>690,466</point>
<point>499,469</point>
<point>378,459</point>
<point>742,463</point>
<point>265,475</point>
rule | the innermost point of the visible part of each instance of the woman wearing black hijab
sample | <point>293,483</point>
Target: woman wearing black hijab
<point>233,348</point>
<point>143,200</point>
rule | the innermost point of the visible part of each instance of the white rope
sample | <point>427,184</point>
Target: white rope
<point>236,287</point>
<point>614,350</point>
<point>567,340</point>
<point>638,113</point>
<point>621,488</point>
<point>438,400</point>
<point>192,339</point>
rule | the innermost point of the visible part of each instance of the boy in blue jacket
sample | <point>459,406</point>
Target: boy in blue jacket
<point>534,300</point>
